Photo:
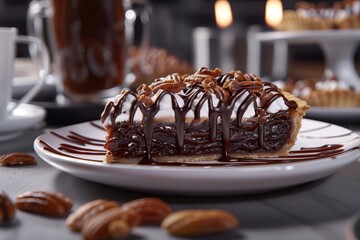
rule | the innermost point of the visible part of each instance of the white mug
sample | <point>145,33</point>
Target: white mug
<point>8,39</point>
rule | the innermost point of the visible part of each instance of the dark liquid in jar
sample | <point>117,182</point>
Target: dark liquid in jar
<point>90,44</point>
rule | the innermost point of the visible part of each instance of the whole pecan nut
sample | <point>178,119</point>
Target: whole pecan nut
<point>174,87</point>
<point>191,223</point>
<point>17,158</point>
<point>7,210</point>
<point>44,203</point>
<point>172,83</point>
<point>198,78</point>
<point>207,71</point>
<point>88,211</point>
<point>151,210</point>
<point>98,227</point>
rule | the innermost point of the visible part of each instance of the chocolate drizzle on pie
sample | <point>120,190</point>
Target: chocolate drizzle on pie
<point>197,90</point>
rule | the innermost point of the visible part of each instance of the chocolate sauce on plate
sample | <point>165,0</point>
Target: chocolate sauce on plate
<point>303,154</point>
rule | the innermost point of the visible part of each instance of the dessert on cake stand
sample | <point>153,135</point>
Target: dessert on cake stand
<point>338,47</point>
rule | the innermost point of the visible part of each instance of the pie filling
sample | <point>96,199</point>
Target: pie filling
<point>207,113</point>
<point>127,140</point>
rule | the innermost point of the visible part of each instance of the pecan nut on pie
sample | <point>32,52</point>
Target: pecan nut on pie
<point>200,117</point>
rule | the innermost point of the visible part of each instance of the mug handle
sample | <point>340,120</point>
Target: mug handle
<point>44,63</point>
<point>37,11</point>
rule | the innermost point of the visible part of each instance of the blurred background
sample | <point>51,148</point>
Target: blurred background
<point>174,24</point>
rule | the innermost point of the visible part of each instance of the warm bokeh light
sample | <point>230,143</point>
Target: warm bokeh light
<point>223,14</point>
<point>273,12</point>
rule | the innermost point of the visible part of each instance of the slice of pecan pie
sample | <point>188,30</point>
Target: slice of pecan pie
<point>204,116</point>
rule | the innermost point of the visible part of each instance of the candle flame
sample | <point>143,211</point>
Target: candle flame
<point>223,14</point>
<point>273,12</point>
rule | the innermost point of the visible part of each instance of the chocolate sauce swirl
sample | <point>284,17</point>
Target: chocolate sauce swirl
<point>196,91</point>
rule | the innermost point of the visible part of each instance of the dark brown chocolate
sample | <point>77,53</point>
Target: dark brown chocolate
<point>127,141</point>
<point>7,210</point>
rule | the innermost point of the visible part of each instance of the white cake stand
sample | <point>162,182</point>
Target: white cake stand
<point>338,46</point>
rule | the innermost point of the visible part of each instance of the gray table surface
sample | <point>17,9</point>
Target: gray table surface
<point>319,210</point>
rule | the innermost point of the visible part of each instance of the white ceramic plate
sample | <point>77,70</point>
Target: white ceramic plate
<point>195,180</point>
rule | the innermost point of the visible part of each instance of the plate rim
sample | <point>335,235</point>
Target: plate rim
<point>253,168</point>
<point>201,181</point>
